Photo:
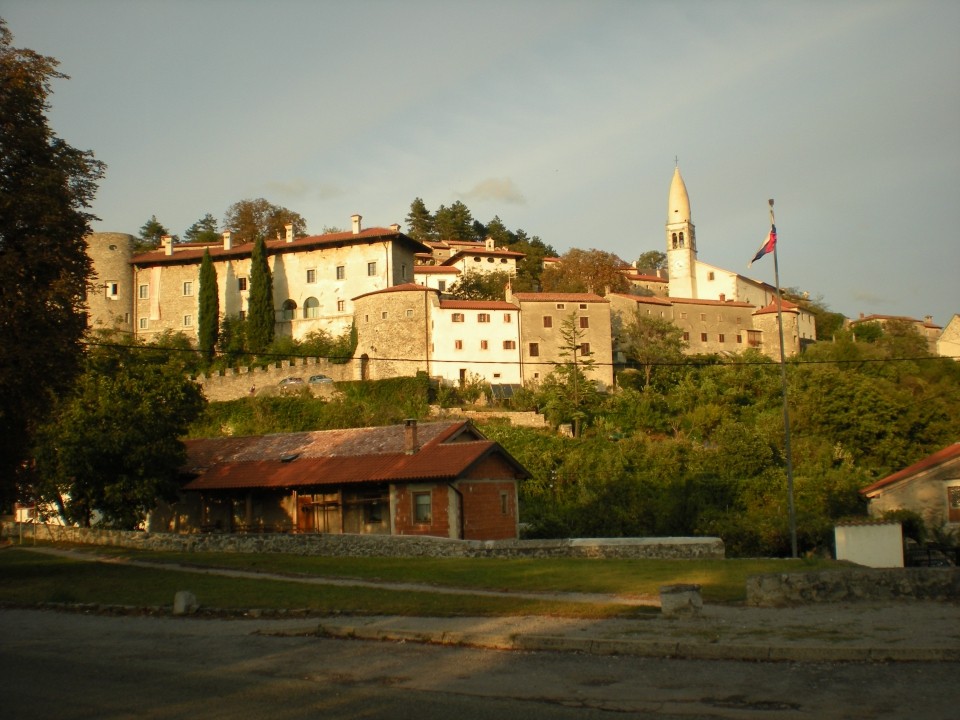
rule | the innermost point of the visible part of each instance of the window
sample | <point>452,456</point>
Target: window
<point>534,349</point>
<point>421,508</point>
<point>188,320</point>
<point>738,319</point>
<point>371,269</point>
<point>683,316</point>
<point>504,503</point>
<point>490,260</point>
<point>143,323</point>
<point>583,306</point>
<point>483,317</point>
<point>686,337</point>
<point>739,338</point>
<point>341,305</point>
<point>703,337</point>
<point>703,317</point>
<point>584,348</point>
<point>144,292</point>
<point>584,322</point>
<point>403,271</point>
<point>507,318</point>
<point>476,259</point>
<point>458,344</point>
<point>341,272</point>
<point>709,276</point>
<point>409,313</point>
<point>241,284</point>
<point>311,276</point>
<point>383,315</point>
<point>548,321</point>
<point>560,306</point>
<point>509,344</point>
<point>113,289</point>
<point>242,314</point>
<point>503,261</point>
<point>311,308</point>
<point>720,337</point>
<point>442,285</point>
<point>484,345</point>
<point>187,289</point>
<point>289,310</point>
<point>458,317</point>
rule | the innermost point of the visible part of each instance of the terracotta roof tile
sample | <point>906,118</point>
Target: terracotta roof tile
<point>559,297</point>
<point>477,305</point>
<point>941,456</point>
<point>406,287</point>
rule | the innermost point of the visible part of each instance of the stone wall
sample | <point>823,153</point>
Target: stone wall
<point>375,545</point>
<point>241,382</point>
<point>854,584</point>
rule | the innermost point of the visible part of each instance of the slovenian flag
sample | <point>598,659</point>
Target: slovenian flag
<point>769,245</point>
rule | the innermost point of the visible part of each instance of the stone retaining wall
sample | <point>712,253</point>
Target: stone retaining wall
<point>375,545</point>
<point>853,584</point>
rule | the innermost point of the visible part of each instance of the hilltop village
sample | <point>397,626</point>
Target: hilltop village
<point>393,289</point>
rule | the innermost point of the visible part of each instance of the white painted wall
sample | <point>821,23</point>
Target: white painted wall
<point>874,545</point>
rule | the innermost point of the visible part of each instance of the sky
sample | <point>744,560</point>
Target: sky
<point>564,119</point>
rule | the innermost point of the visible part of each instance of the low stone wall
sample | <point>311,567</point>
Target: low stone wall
<point>519,418</point>
<point>375,545</point>
<point>244,381</point>
<point>854,584</point>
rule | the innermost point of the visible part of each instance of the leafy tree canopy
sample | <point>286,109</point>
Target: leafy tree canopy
<point>112,449</point>
<point>650,341</point>
<point>454,223</point>
<point>652,260</point>
<point>250,219</point>
<point>594,271</point>
<point>45,188</point>
<point>480,285</point>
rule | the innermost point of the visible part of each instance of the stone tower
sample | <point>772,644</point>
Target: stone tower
<point>681,241</point>
<point>110,296</point>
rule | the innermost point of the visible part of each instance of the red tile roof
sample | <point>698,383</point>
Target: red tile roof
<point>338,457</point>
<point>435,270</point>
<point>477,305</point>
<point>193,252</point>
<point>938,458</point>
<point>558,297</point>
<point>723,303</point>
<point>645,299</point>
<point>786,305</point>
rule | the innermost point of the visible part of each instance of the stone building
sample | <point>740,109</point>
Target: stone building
<point>927,329</point>
<point>315,279</point>
<point>110,297</point>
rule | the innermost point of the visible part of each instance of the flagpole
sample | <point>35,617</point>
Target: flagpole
<point>786,412</point>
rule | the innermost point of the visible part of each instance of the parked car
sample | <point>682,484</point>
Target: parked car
<point>320,380</point>
<point>290,384</point>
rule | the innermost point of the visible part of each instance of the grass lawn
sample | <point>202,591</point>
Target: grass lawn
<point>29,578</point>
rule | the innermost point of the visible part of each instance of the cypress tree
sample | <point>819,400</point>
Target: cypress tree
<point>208,315</point>
<point>260,313</point>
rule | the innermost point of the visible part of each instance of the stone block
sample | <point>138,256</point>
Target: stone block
<point>184,603</point>
<point>680,600</point>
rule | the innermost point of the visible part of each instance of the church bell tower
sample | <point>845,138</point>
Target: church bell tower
<point>681,241</point>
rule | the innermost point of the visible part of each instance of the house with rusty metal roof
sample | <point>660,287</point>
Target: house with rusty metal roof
<point>443,479</point>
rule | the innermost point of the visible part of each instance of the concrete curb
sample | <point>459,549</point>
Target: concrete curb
<point>644,648</point>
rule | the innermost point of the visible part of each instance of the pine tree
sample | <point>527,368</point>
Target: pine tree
<point>203,230</point>
<point>260,313</point>
<point>208,315</point>
<point>420,222</point>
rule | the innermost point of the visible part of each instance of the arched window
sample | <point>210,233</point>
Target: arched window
<point>674,241</point>
<point>311,308</point>
<point>289,310</point>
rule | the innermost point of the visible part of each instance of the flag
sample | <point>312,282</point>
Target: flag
<point>768,245</point>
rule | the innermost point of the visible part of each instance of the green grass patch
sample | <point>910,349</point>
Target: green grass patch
<point>722,581</point>
<point>28,578</point>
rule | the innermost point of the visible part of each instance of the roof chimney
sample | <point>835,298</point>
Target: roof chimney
<point>489,244</point>
<point>167,242</point>
<point>356,223</point>
<point>723,297</point>
<point>227,242</point>
<point>410,436</point>
<point>289,228</point>
<point>395,227</point>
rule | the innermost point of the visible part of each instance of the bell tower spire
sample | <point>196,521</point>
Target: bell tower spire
<point>681,240</point>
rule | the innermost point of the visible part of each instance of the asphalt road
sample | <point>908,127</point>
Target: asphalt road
<point>72,666</point>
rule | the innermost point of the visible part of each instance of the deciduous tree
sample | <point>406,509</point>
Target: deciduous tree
<point>649,341</point>
<point>474,285</point>
<point>113,446</point>
<point>250,219</point>
<point>45,188</point>
<point>593,271</point>
<point>652,260</point>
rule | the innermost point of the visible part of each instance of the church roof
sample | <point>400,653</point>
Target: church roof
<point>678,202</point>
